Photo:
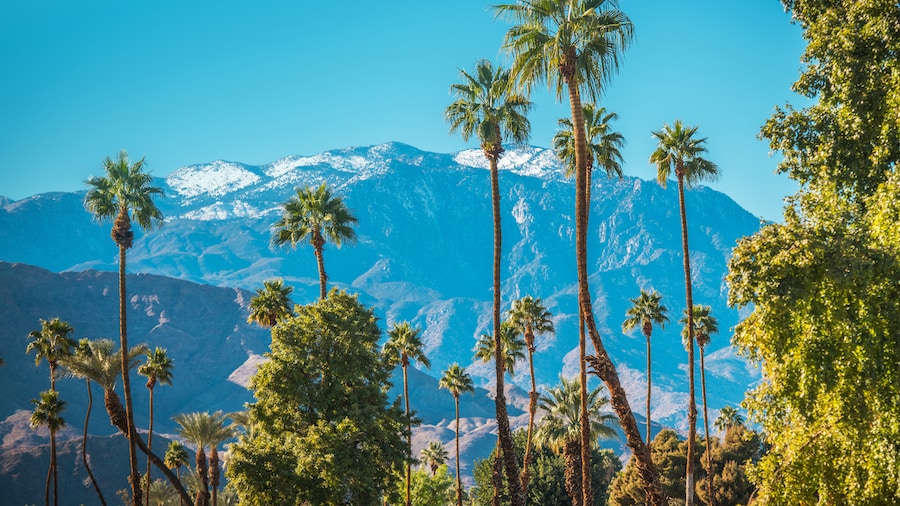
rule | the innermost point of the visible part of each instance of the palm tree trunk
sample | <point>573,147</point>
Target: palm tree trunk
<point>126,384</point>
<point>572,456</point>
<point>709,471</point>
<point>584,420</point>
<point>506,444</point>
<point>150,446</point>
<point>53,467</point>
<point>318,246</point>
<point>532,409</point>
<point>649,382</point>
<point>117,419</point>
<point>84,459</point>
<point>49,473</point>
<point>497,475</point>
<point>408,435</point>
<point>458,479</point>
<point>214,474</point>
<point>203,473</point>
<point>689,300</point>
<point>601,362</point>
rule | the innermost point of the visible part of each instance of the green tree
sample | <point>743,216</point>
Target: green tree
<point>319,215</point>
<point>574,47</point>
<point>602,143</point>
<point>157,369</point>
<point>53,342</point>
<point>321,430</point>
<point>680,151</point>
<point>404,344</point>
<point>548,475</point>
<point>457,381</point>
<point>125,194</point>
<point>646,310</point>
<point>670,455</point>
<point>487,107</point>
<point>271,304</point>
<point>101,365</point>
<point>431,489</point>
<point>434,455</point>
<point>560,429</point>
<point>205,430</point>
<point>529,316</point>
<point>825,312</point>
<point>47,412</point>
<point>730,458</point>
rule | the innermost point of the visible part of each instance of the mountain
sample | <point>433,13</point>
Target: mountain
<point>423,255</point>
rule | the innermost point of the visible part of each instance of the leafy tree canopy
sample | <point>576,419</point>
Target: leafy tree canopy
<point>822,285</point>
<point>321,430</point>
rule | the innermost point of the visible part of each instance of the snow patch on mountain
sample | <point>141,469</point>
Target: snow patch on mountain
<point>525,161</point>
<point>215,179</point>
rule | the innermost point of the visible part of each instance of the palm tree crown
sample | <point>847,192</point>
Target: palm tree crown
<point>434,455</point>
<point>157,368</point>
<point>728,417</point>
<point>679,151</point>
<point>488,109</point>
<point>705,324</point>
<point>271,304</point>
<point>562,419</point>
<point>404,345</point>
<point>321,216</point>
<point>646,310</point>
<point>512,343</point>
<point>53,342</point>
<point>604,145</point>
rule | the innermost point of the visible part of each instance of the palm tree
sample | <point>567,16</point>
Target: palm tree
<point>644,312</point>
<point>404,343</point>
<point>728,417</point>
<point>434,455</point>
<point>206,431</point>
<point>271,304</point>
<point>678,149</point>
<point>319,215</point>
<point>47,411</point>
<point>487,107</point>
<point>512,343</point>
<point>82,353</point>
<point>176,456</point>
<point>101,365</point>
<point>125,194</point>
<point>457,381</point>
<point>529,316</point>
<point>704,325</point>
<point>51,343</point>
<point>574,46</point>
<point>157,369</point>
<point>603,144</point>
<point>560,428</point>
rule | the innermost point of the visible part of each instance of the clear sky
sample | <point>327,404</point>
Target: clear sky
<point>191,81</point>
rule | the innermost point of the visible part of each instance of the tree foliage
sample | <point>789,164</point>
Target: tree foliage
<point>321,430</point>
<point>822,285</point>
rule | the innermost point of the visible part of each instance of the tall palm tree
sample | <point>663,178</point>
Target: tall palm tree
<point>48,410</point>
<point>52,342</point>
<point>574,47</point>
<point>101,366</point>
<point>678,150</point>
<point>646,310</point>
<point>435,455</point>
<point>704,325</point>
<point>487,107</point>
<point>404,344</point>
<point>157,369</point>
<point>125,194</point>
<point>176,456</point>
<point>457,381</point>
<point>271,304</point>
<point>82,353</point>
<point>728,417</point>
<point>319,215</point>
<point>560,428</point>
<point>603,144</point>
<point>529,316</point>
<point>206,431</point>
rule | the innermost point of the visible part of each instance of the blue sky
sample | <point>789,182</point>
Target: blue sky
<point>192,81</point>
